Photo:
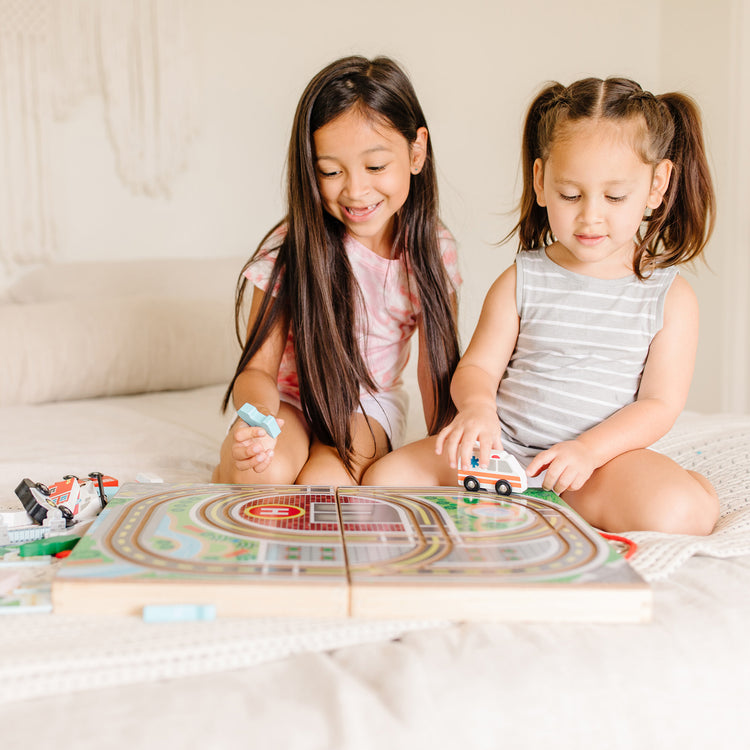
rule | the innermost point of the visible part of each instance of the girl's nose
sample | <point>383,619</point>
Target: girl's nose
<point>357,185</point>
<point>590,210</point>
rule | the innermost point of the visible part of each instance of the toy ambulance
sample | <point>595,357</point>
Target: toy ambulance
<point>77,499</point>
<point>84,497</point>
<point>503,474</point>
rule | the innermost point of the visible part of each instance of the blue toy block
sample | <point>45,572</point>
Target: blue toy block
<point>178,612</point>
<point>248,413</point>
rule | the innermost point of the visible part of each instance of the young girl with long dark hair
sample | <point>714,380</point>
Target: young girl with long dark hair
<point>339,286</point>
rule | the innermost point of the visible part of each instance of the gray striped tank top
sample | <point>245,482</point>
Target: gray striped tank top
<point>580,352</point>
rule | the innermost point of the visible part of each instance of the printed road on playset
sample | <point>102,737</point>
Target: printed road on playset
<point>377,552</point>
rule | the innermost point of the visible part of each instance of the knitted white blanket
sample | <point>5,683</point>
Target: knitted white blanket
<point>717,446</point>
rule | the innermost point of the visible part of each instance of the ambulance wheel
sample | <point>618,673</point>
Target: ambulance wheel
<point>502,487</point>
<point>471,484</point>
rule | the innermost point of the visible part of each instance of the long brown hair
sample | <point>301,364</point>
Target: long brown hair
<point>675,232</point>
<point>312,282</point>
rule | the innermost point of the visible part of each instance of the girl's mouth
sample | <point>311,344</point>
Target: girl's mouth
<point>590,239</point>
<point>361,213</point>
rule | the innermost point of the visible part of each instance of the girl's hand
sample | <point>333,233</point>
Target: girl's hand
<point>253,447</point>
<point>569,466</point>
<point>474,424</point>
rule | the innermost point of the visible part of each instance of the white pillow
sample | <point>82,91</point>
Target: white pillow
<point>167,277</point>
<point>76,349</point>
<point>103,329</point>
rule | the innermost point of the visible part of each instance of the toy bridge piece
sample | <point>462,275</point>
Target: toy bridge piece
<point>248,413</point>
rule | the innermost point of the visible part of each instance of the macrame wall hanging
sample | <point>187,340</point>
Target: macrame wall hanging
<point>135,54</point>
<point>26,226</point>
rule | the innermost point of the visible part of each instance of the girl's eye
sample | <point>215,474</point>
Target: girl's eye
<point>616,198</point>
<point>376,169</point>
<point>328,174</point>
<point>569,197</point>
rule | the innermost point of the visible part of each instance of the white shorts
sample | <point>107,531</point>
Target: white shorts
<point>388,409</point>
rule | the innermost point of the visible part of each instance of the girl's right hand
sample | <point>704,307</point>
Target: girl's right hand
<point>253,447</point>
<point>472,425</point>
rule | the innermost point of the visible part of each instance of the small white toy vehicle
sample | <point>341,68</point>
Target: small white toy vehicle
<point>503,474</point>
<point>77,499</point>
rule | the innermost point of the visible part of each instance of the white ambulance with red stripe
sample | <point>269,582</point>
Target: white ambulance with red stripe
<point>503,474</point>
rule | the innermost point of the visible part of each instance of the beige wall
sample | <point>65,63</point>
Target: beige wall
<point>475,66</point>
<point>704,52</point>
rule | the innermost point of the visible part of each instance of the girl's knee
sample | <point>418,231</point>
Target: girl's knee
<point>691,508</point>
<point>706,505</point>
<point>415,464</point>
<point>679,503</point>
<point>377,473</point>
<point>328,476</point>
<point>277,472</point>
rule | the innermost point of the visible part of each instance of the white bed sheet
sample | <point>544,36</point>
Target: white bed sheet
<point>173,434</point>
<point>680,681</point>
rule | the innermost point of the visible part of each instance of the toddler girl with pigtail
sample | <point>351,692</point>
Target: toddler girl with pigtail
<point>585,346</point>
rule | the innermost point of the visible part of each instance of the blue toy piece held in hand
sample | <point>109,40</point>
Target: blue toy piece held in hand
<point>248,413</point>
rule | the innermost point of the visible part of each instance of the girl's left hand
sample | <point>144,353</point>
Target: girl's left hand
<point>569,466</point>
<point>253,447</point>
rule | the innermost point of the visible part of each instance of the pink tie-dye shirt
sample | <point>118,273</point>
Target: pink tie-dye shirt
<point>392,310</point>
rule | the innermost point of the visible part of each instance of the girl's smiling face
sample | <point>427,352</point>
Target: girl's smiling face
<point>596,189</point>
<point>364,170</point>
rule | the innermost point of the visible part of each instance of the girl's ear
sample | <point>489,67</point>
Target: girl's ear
<point>660,183</point>
<point>418,150</point>
<point>539,182</point>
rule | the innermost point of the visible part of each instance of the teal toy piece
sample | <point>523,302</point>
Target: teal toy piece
<point>248,413</point>
<point>178,612</point>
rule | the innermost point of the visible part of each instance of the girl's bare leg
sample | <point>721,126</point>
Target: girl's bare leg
<point>325,467</point>
<point>645,491</point>
<point>291,452</point>
<point>414,465</point>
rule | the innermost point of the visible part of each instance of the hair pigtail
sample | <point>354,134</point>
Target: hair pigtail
<point>679,229</point>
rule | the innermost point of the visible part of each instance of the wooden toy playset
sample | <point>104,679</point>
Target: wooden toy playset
<point>356,551</point>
